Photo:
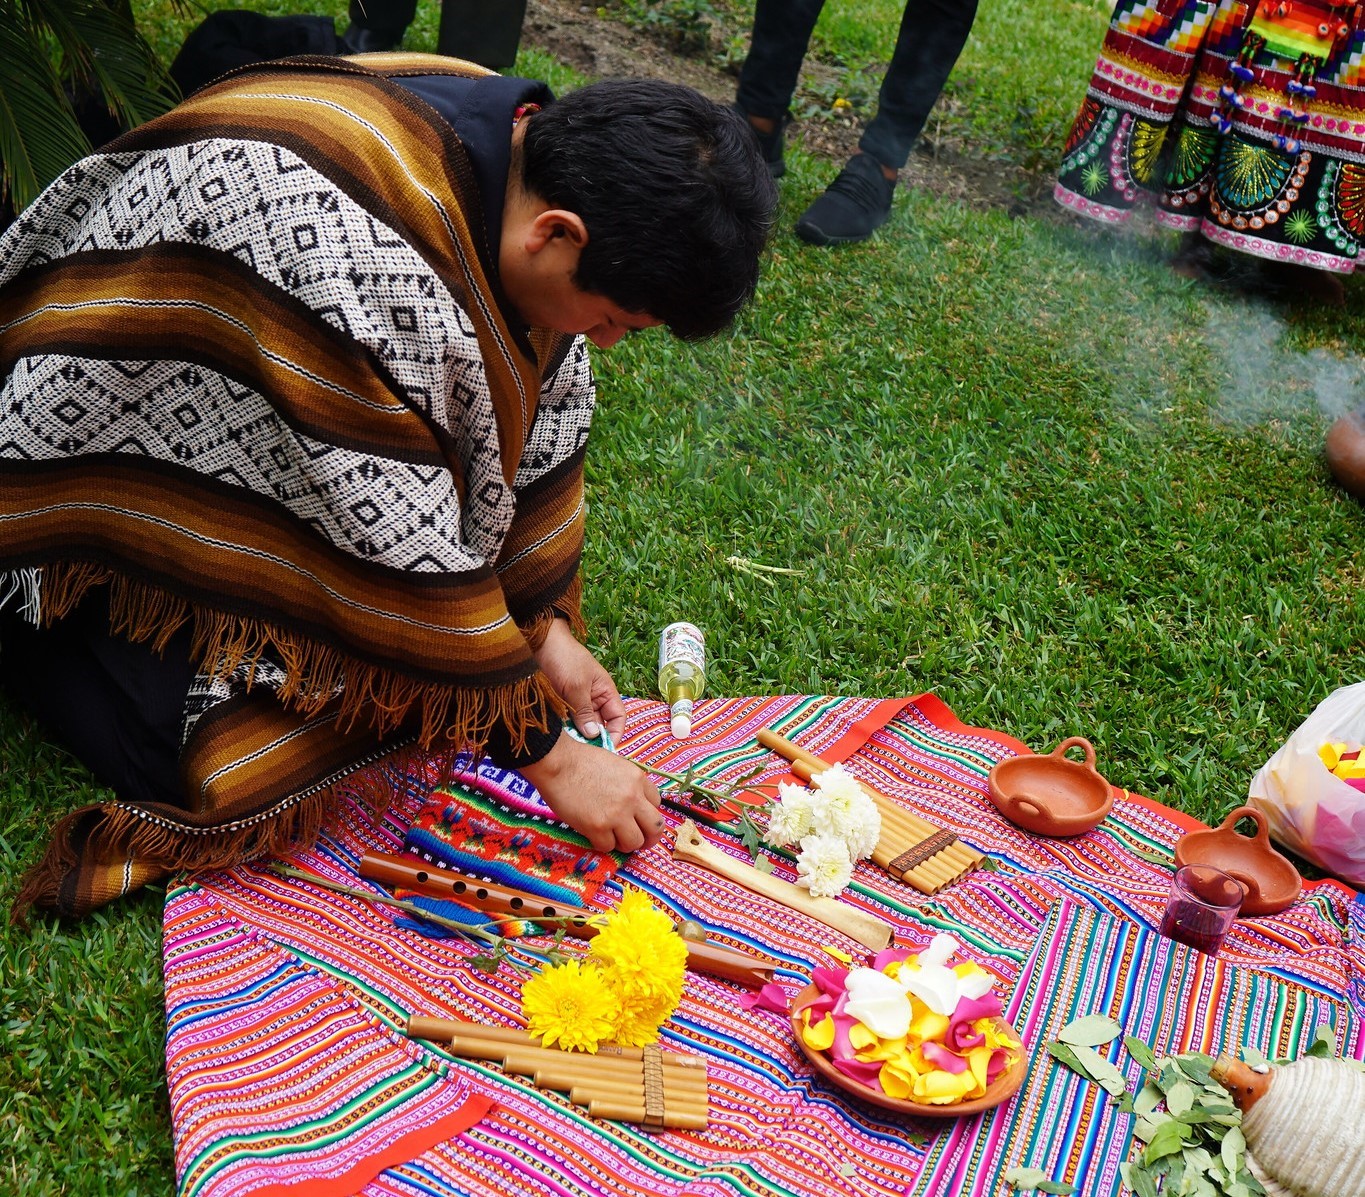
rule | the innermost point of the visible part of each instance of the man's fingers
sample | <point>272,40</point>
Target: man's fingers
<point>629,837</point>
<point>585,719</point>
<point>651,828</point>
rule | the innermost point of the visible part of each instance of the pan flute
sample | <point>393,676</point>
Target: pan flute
<point>911,849</point>
<point>630,1084</point>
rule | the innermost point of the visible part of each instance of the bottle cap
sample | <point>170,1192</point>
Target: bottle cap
<point>680,721</point>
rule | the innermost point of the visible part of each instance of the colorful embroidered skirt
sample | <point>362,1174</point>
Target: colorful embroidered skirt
<point>1242,123</point>
<point>289,1073</point>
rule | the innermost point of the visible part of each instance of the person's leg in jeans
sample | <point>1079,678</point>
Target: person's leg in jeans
<point>767,81</point>
<point>932,34</point>
<point>931,38</point>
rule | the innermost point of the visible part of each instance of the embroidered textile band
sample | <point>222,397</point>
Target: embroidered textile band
<point>919,853</point>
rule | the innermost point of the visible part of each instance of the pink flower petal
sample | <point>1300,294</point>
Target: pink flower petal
<point>941,1057</point>
<point>822,1005</point>
<point>961,1037</point>
<point>830,980</point>
<point>842,1048</point>
<point>999,1062</point>
<point>970,1009</point>
<point>771,997</point>
<point>865,1072</point>
<point>889,956</point>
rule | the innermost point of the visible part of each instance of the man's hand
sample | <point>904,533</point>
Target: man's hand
<point>602,797</point>
<point>582,683</point>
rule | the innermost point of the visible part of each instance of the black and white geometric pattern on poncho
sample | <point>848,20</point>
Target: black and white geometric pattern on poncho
<point>297,230</point>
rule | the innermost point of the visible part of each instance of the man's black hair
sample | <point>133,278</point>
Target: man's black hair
<point>674,192</point>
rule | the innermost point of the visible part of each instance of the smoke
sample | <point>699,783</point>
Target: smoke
<point>1267,377</point>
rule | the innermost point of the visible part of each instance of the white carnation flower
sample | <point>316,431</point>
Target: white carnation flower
<point>790,817</point>
<point>841,807</point>
<point>836,782</point>
<point>823,866</point>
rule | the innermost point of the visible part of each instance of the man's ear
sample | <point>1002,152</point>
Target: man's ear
<point>556,224</point>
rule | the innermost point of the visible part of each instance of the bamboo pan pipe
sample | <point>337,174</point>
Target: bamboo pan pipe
<point>410,873</point>
<point>911,849</point>
<point>631,1084</point>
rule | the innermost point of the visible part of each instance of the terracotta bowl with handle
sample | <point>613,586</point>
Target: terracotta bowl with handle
<point>1052,794</point>
<point>1271,880</point>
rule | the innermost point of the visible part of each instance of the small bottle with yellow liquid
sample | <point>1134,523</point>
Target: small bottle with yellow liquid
<point>682,673</point>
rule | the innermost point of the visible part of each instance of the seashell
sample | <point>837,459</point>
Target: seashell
<point>1304,1125</point>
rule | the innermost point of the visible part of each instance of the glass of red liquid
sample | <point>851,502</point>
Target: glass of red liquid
<point>1202,906</point>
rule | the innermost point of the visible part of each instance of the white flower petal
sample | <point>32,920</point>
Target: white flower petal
<point>877,1002</point>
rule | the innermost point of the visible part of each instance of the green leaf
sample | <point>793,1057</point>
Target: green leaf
<point>1324,1045</point>
<point>1168,1140</point>
<point>1100,1070</point>
<point>1141,1181</point>
<point>1179,1098</point>
<point>1196,1066</point>
<point>1148,1098</point>
<point>1233,1150</point>
<point>1140,1052</point>
<point>1037,1180</point>
<point>1090,1031</point>
<point>39,135</point>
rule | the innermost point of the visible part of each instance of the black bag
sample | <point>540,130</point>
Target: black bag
<point>233,38</point>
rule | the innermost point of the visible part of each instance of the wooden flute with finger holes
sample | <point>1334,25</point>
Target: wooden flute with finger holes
<point>416,876</point>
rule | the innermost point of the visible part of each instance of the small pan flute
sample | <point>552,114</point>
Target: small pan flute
<point>630,1084</point>
<point>410,873</point>
<point>911,849</point>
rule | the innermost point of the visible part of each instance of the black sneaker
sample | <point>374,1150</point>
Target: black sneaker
<point>852,208</point>
<point>769,144</point>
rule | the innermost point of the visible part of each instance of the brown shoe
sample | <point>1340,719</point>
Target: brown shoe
<point>1345,450</point>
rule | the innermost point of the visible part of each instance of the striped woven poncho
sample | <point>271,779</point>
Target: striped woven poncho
<point>257,384</point>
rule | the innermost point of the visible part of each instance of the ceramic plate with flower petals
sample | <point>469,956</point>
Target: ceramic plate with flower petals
<point>1001,1089</point>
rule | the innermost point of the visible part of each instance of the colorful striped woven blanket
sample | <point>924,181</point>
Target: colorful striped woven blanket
<point>288,1071</point>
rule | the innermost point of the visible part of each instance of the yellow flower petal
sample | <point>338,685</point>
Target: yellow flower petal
<point>940,1088</point>
<point>927,1026</point>
<point>887,1049</point>
<point>841,956</point>
<point>818,1036</point>
<point>898,1079</point>
<point>862,1037</point>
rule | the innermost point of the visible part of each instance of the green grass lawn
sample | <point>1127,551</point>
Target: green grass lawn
<point>1015,461</point>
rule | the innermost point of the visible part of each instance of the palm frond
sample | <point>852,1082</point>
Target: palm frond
<point>39,134</point>
<point>104,51</point>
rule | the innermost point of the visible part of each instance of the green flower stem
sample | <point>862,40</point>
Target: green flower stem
<point>712,795</point>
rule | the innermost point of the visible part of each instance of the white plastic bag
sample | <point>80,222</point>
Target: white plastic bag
<point>1311,811</point>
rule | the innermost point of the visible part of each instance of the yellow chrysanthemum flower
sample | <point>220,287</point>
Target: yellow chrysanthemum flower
<point>569,1004</point>
<point>644,961</point>
<point>640,944</point>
